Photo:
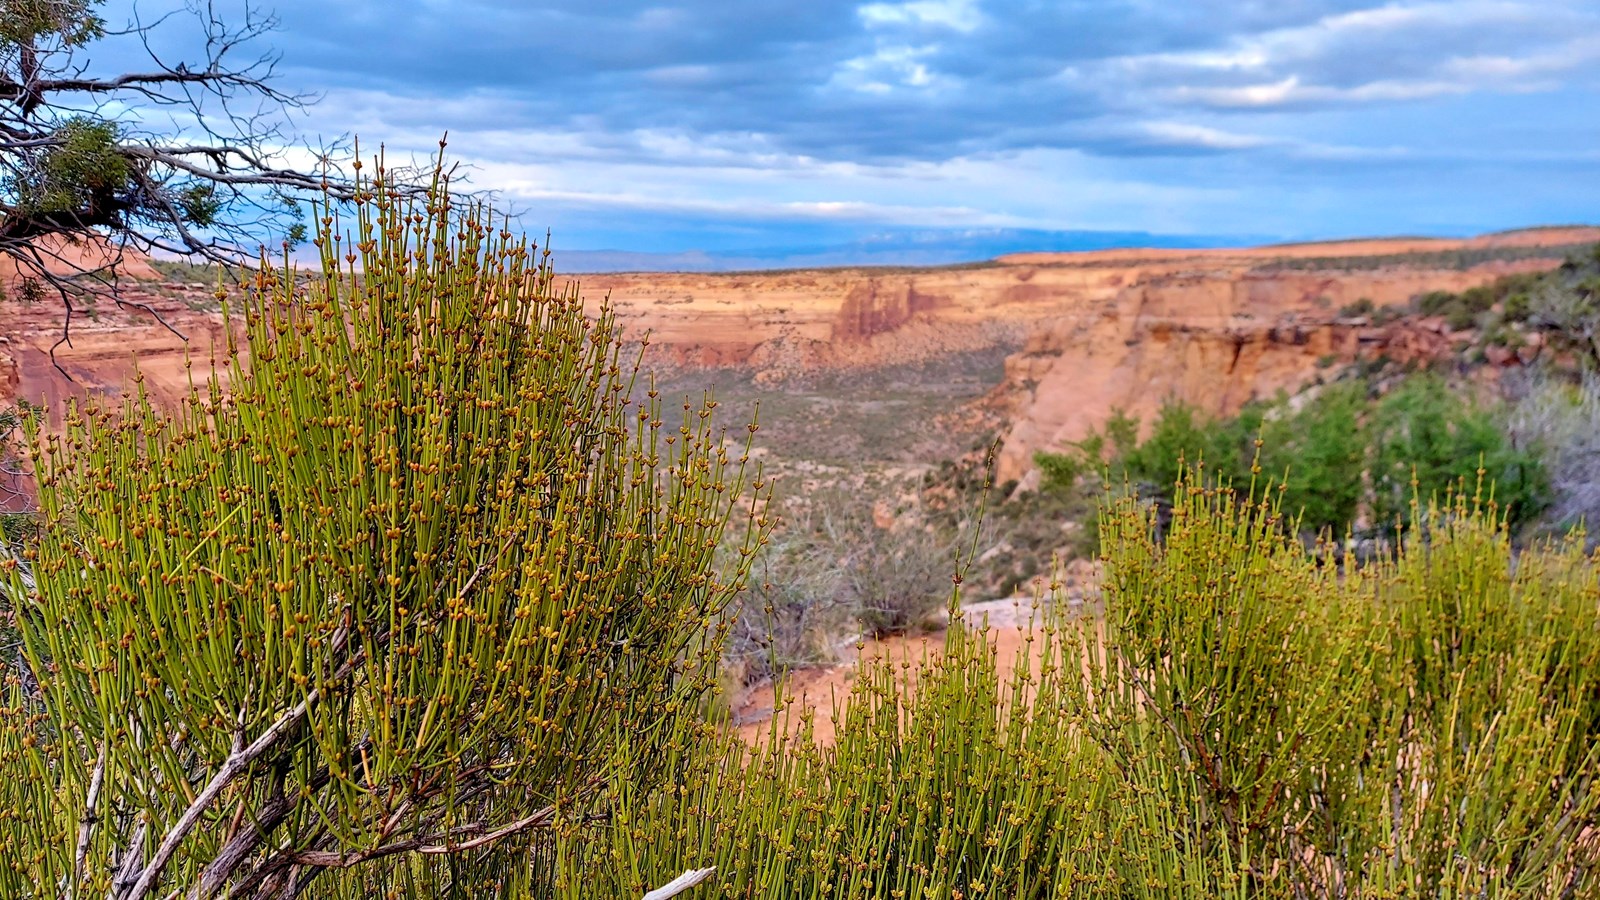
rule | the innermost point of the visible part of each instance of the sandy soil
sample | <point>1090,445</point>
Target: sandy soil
<point>825,690</point>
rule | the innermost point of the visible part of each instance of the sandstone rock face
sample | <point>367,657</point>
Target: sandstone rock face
<point>1092,332</point>
<point>112,352</point>
<point>1214,339</point>
<point>108,348</point>
<point>790,323</point>
<point>1088,332</point>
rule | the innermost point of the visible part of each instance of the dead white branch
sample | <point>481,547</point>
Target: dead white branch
<point>680,884</point>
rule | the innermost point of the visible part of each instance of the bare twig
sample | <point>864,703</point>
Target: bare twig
<point>239,760</point>
<point>87,821</point>
<point>680,884</point>
<point>344,859</point>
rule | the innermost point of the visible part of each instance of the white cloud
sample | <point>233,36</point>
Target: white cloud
<point>661,18</point>
<point>957,15</point>
<point>682,76</point>
<point>758,208</point>
<point>1573,54</point>
<point>888,68</point>
<point>1291,91</point>
<point>1292,66</point>
<point>1184,134</point>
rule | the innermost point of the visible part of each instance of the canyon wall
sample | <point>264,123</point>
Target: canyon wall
<point>1091,332</point>
<point>1087,332</point>
<point>1215,340</point>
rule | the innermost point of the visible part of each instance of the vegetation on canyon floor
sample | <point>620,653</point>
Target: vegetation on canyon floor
<point>1353,460</point>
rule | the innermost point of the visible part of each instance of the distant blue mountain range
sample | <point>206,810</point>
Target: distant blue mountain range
<point>909,248</point>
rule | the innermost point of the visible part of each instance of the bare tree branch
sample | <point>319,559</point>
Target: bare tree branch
<point>79,161</point>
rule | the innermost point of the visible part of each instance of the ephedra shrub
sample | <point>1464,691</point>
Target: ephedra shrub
<point>1423,726</point>
<point>1245,720</point>
<point>404,590</point>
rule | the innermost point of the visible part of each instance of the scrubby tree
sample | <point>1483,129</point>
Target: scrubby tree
<point>1337,454</point>
<point>1319,451</point>
<point>410,579</point>
<point>191,157</point>
<point>1426,439</point>
<point>1568,309</point>
<point>1563,420</point>
<point>831,567</point>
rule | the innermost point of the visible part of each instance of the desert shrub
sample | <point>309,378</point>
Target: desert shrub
<point>1460,311</point>
<point>897,584</point>
<point>1426,439</point>
<point>421,583</point>
<point>16,524</point>
<point>1181,435</point>
<point>1361,307</point>
<point>828,568</point>
<point>1340,457</point>
<point>1022,535</point>
<point>1420,726</point>
<point>1567,308</point>
<point>786,615</point>
<point>896,580</point>
<point>1383,315</point>
<point>1518,307</point>
<point>1317,454</point>
<point>1563,419</point>
<point>1499,331</point>
<point>1462,317</point>
<point>795,602</point>
<point>1061,471</point>
<point>1434,303</point>
<point>1122,464</point>
<point>1245,721</point>
<point>943,780</point>
<point>1560,302</point>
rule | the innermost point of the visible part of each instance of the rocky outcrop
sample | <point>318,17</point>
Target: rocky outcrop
<point>1073,375</point>
<point>875,307</point>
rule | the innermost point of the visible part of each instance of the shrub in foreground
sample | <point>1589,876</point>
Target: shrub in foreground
<point>1246,721</point>
<point>417,592</point>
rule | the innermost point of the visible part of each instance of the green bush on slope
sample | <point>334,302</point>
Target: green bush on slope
<point>1348,457</point>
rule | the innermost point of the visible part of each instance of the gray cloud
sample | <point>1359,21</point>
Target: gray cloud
<point>944,109</point>
<point>920,79</point>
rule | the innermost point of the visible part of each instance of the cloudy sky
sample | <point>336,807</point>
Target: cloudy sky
<point>786,128</point>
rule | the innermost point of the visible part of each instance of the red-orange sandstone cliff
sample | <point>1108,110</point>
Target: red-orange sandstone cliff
<point>1093,332</point>
<point>1088,332</point>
